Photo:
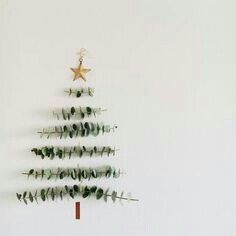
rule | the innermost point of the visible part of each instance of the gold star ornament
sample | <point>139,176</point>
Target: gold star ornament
<point>80,72</point>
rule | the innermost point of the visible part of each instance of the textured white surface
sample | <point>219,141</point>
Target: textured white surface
<point>165,70</point>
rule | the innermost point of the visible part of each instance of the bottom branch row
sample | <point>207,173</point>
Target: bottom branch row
<point>53,193</point>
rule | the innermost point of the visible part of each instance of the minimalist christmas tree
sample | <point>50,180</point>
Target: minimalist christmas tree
<point>78,127</point>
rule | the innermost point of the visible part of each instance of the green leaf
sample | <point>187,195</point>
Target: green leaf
<point>90,92</point>
<point>103,129</point>
<point>92,127</point>
<point>71,134</point>
<point>86,192</point>
<point>65,129</point>
<point>116,174</point>
<point>94,173</point>
<point>35,196</point>
<point>24,194</point>
<point>71,193</point>
<point>82,115</point>
<point>61,194</point>
<point>76,133</point>
<point>105,195</point>
<point>89,110</point>
<point>39,152</point>
<point>52,194</point>
<point>60,154</point>
<point>74,126</point>
<point>84,174</point>
<point>103,150</point>
<point>72,110</point>
<point>121,196</point>
<point>70,152</point>
<point>36,174</point>
<point>31,172</point>
<point>113,196</point>
<point>67,188</point>
<point>83,133</point>
<point>95,149</point>
<point>78,94</point>
<point>31,197</point>
<point>50,174</point>
<point>89,173</point>
<point>108,172</point>
<point>55,150</point>
<point>80,153</point>
<point>35,150</point>
<point>93,189</point>
<point>18,196</point>
<point>63,114</point>
<point>91,153</point>
<point>81,126</point>
<point>98,128</point>
<point>79,174</point>
<point>76,188</point>
<point>47,152</point>
<point>42,194</point>
<point>62,175</point>
<point>61,132</point>
<point>73,174</point>
<point>86,125</point>
<point>42,173</point>
<point>108,151</point>
<point>47,192</point>
<point>99,193</point>
<point>44,151</point>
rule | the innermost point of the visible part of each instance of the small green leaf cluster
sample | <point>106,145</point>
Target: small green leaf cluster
<point>53,193</point>
<point>81,151</point>
<point>79,92</point>
<point>74,173</point>
<point>77,113</point>
<point>81,129</point>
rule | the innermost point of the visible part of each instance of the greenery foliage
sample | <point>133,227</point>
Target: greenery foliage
<point>79,151</point>
<point>80,129</point>
<point>54,193</point>
<point>74,173</point>
<point>77,113</point>
<point>79,92</point>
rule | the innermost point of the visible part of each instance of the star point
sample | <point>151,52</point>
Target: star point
<point>80,72</point>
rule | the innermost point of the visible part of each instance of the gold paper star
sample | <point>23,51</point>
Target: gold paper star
<point>80,72</point>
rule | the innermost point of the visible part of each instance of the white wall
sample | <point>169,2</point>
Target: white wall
<point>165,70</point>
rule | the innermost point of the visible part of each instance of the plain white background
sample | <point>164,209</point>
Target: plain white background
<point>165,70</point>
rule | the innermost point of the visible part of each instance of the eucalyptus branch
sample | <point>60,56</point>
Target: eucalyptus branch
<point>79,151</point>
<point>74,173</point>
<point>78,92</point>
<point>80,129</point>
<point>54,193</point>
<point>77,112</point>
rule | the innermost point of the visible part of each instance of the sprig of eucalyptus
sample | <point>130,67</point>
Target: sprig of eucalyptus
<point>77,112</point>
<point>78,92</point>
<point>53,193</point>
<point>79,151</point>
<point>78,173</point>
<point>81,129</point>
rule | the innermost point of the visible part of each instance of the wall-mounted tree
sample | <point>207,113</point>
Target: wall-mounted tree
<point>75,129</point>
